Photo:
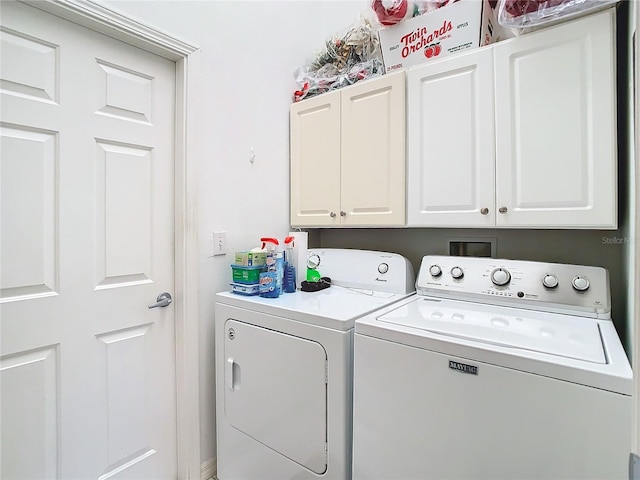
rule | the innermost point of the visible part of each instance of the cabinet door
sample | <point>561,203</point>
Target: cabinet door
<point>315,161</point>
<point>373,152</point>
<point>450,165</point>
<point>556,126</point>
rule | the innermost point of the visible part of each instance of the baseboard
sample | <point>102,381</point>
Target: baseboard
<point>208,469</point>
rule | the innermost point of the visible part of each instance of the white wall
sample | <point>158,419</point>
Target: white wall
<point>249,51</point>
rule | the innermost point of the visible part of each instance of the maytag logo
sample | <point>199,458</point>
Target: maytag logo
<point>463,367</point>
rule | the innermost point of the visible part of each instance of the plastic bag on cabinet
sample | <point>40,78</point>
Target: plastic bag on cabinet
<point>392,12</point>
<point>531,13</point>
<point>344,60</point>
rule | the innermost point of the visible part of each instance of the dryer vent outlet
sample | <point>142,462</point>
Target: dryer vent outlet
<point>472,248</point>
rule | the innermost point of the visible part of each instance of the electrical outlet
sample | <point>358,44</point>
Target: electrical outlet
<point>219,243</point>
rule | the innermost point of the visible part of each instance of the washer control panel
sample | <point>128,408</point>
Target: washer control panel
<point>557,287</point>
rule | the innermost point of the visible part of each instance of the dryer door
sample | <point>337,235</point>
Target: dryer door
<point>276,391</point>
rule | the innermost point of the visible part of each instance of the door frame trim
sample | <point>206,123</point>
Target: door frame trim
<point>635,225</point>
<point>116,25</point>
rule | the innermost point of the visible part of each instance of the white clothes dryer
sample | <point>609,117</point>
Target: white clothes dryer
<point>284,368</point>
<point>495,369</point>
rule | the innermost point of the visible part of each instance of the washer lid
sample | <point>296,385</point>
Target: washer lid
<point>550,333</point>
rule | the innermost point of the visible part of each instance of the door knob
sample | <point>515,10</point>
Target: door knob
<point>163,300</point>
<point>502,209</point>
<point>332,214</point>
<point>484,211</point>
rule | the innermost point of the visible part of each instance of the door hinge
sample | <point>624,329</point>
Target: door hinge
<point>326,452</point>
<point>326,372</point>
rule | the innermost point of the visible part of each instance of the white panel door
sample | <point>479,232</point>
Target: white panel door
<point>372,187</point>
<point>315,161</point>
<point>276,391</point>
<point>87,370</point>
<point>556,126</point>
<point>451,138</point>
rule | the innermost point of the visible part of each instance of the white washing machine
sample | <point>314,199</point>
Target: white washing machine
<point>495,369</point>
<point>284,368</point>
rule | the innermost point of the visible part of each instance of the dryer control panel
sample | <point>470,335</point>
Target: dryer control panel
<point>363,269</point>
<point>555,287</point>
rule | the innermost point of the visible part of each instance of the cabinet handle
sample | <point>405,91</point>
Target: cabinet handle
<point>343,213</point>
<point>332,214</point>
<point>484,211</point>
<point>502,209</point>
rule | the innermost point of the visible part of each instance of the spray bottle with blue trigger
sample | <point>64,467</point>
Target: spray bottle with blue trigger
<point>289,267</point>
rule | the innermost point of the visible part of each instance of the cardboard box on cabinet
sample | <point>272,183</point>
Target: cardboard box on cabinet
<point>455,27</point>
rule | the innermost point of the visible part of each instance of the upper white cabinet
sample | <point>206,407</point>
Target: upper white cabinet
<point>518,134</point>
<point>451,142</point>
<point>348,156</point>
<point>315,160</point>
<point>556,126</point>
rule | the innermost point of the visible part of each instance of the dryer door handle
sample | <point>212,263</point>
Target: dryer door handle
<point>229,373</point>
<point>232,374</point>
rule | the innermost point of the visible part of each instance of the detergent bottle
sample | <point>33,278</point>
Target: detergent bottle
<point>289,266</point>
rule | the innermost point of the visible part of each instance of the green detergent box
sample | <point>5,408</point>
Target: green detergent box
<point>250,259</point>
<point>247,275</point>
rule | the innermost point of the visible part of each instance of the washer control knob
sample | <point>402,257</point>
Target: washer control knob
<point>435,270</point>
<point>383,268</point>
<point>550,281</point>
<point>456,272</point>
<point>580,283</point>
<point>500,276</point>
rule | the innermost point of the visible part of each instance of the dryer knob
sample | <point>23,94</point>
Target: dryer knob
<point>435,270</point>
<point>456,272</point>
<point>550,281</point>
<point>581,284</point>
<point>313,261</point>
<point>383,268</point>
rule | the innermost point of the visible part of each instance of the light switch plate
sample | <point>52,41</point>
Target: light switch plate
<point>219,243</point>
